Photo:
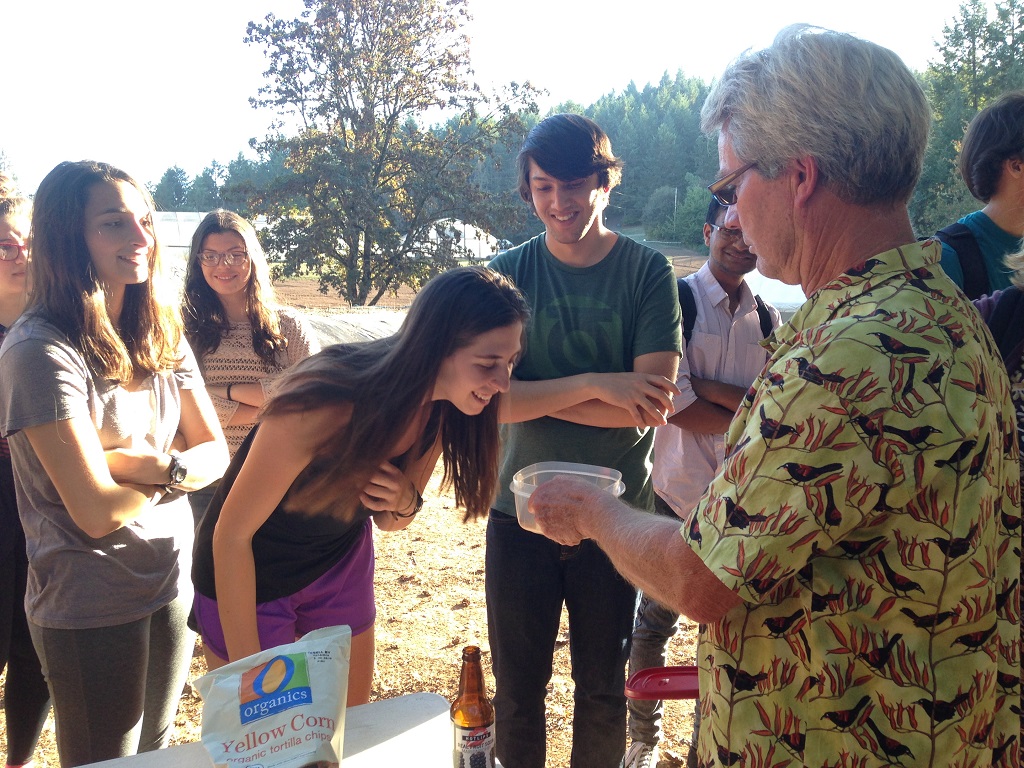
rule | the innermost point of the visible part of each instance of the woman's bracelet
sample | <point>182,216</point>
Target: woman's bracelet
<point>229,394</point>
<point>416,505</point>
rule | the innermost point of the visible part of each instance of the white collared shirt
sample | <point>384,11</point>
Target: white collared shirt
<point>723,347</point>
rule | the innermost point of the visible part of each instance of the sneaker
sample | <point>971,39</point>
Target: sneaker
<point>641,755</point>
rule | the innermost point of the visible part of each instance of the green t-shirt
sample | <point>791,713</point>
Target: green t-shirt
<point>590,319</point>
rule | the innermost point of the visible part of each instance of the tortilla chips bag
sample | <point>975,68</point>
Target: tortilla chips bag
<point>280,708</point>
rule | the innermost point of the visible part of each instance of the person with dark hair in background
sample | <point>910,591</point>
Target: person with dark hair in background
<point>26,697</point>
<point>856,560</point>
<point>351,435</point>
<point>595,378</point>
<point>241,337</point>
<point>992,166</point>
<point>722,355</point>
<point>109,425</point>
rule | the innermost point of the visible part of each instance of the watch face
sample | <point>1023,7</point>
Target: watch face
<point>178,470</point>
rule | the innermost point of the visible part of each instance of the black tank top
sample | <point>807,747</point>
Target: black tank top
<point>291,550</point>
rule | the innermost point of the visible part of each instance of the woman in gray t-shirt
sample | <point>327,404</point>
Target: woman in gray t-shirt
<point>108,424</point>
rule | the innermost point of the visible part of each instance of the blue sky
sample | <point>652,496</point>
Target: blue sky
<point>150,85</point>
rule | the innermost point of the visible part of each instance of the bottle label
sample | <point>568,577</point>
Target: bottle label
<point>474,747</point>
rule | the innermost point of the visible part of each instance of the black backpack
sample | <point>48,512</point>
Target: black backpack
<point>688,305</point>
<point>958,237</point>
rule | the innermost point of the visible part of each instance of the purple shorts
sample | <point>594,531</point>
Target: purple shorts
<point>343,595</point>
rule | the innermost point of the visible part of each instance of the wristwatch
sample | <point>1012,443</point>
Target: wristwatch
<point>177,471</point>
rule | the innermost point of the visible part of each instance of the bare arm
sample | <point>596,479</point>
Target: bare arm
<point>646,549</point>
<point>71,453</point>
<point>279,452</point>
<point>617,394</point>
<point>728,396</point>
<point>641,411</point>
<point>244,406</point>
<point>702,417</point>
<point>205,453</point>
<point>249,393</point>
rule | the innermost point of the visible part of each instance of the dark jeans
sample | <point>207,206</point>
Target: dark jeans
<point>116,689</point>
<point>528,578</point>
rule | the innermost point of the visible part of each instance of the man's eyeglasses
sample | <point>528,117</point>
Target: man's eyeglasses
<point>724,189</point>
<point>231,258</point>
<point>726,232</point>
<point>11,251</point>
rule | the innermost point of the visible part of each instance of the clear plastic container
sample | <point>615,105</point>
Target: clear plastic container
<point>526,480</point>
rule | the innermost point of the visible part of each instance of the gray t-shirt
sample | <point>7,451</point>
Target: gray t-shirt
<point>74,580</point>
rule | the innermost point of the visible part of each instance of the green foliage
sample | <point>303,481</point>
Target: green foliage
<point>691,214</point>
<point>979,60</point>
<point>659,214</point>
<point>203,193</point>
<point>246,179</point>
<point>656,131</point>
<point>676,214</point>
<point>367,189</point>
<point>171,192</point>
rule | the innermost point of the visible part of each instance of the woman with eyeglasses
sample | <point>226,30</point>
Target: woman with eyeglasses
<point>109,426</point>
<point>241,336</point>
<point>26,697</point>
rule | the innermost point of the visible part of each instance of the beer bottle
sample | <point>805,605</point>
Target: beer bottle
<point>472,716</point>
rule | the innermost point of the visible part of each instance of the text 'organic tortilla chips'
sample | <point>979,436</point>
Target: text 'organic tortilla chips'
<point>279,708</point>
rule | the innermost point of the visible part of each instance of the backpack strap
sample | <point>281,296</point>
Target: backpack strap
<point>688,306</point>
<point>958,237</point>
<point>764,316</point>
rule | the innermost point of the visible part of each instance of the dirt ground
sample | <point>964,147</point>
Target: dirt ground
<point>430,598</point>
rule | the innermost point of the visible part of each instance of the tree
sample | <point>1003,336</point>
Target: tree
<point>979,60</point>
<point>368,188</point>
<point>171,192</point>
<point>659,214</point>
<point>245,180</point>
<point>203,192</point>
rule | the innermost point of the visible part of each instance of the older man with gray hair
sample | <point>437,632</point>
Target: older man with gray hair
<point>857,558</point>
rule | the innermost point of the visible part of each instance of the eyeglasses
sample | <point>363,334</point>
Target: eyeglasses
<point>11,251</point>
<point>724,189</point>
<point>231,258</point>
<point>726,232</point>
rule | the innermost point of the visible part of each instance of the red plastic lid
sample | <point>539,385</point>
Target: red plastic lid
<point>663,683</point>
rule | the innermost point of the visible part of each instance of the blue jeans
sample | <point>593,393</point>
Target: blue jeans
<point>528,578</point>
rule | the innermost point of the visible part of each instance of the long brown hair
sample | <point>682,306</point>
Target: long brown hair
<point>66,289</point>
<point>206,322</point>
<point>386,381</point>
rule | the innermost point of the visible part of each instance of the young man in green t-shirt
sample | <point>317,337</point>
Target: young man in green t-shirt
<point>595,378</point>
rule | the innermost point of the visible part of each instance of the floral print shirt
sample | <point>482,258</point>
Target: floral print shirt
<point>869,516</point>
